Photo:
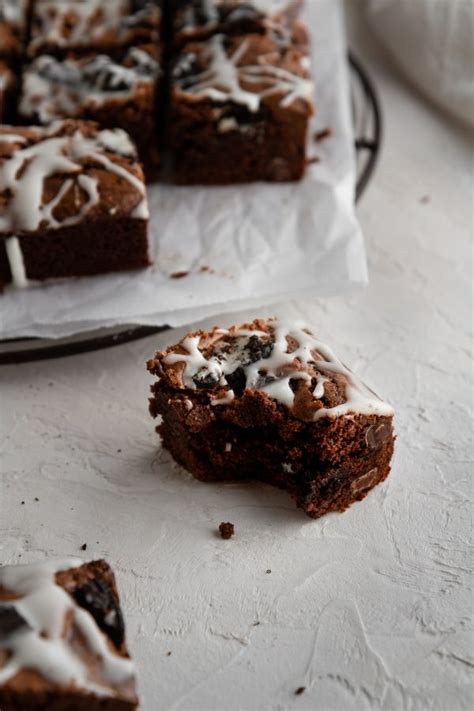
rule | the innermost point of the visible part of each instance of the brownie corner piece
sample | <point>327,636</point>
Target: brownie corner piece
<point>75,203</point>
<point>62,639</point>
<point>269,401</point>
<point>239,109</point>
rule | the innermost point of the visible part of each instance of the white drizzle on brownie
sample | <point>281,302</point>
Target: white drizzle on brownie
<point>274,373</point>
<point>55,89</point>
<point>24,172</point>
<point>41,607</point>
<point>226,77</point>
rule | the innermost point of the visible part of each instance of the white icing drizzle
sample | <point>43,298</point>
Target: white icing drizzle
<point>16,263</point>
<point>273,374</point>
<point>55,89</point>
<point>24,172</point>
<point>225,79</point>
<point>40,645</point>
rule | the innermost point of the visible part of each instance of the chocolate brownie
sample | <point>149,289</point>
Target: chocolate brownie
<point>115,93</point>
<point>13,17</point>
<point>72,202</point>
<point>62,639</point>
<point>271,402</point>
<point>63,27</point>
<point>199,19</point>
<point>240,108</point>
<point>8,91</point>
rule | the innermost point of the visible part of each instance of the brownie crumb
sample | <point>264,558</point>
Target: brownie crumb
<point>321,135</point>
<point>22,503</point>
<point>168,654</point>
<point>268,571</point>
<point>313,159</point>
<point>179,275</point>
<point>84,547</point>
<point>36,498</point>
<point>300,690</point>
<point>226,530</point>
<point>425,199</point>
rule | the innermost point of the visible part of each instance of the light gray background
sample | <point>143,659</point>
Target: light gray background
<point>367,610</point>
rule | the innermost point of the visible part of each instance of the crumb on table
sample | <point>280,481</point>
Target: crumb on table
<point>226,530</point>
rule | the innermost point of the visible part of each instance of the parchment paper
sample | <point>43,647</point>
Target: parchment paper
<point>241,245</point>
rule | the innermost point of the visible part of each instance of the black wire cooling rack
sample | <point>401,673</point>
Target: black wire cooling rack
<point>367,120</point>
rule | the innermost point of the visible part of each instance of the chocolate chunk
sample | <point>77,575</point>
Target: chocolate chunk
<point>366,481</point>
<point>377,435</point>
<point>97,598</point>
<point>10,621</point>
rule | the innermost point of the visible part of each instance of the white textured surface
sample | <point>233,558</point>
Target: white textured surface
<point>370,609</point>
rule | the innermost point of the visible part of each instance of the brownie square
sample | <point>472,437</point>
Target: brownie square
<point>8,92</point>
<point>240,107</point>
<point>72,202</point>
<point>62,639</point>
<point>13,20</point>
<point>72,27</point>
<point>117,93</point>
<point>199,19</point>
<point>269,401</point>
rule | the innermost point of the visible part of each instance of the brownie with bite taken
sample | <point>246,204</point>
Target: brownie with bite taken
<point>269,401</point>
<point>117,93</point>
<point>62,639</point>
<point>239,109</point>
<point>72,203</point>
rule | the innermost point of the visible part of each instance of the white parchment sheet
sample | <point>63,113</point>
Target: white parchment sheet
<point>239,245</point>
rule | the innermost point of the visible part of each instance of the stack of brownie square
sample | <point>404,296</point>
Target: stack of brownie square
<point>222,87</point>
<point>96,61</point>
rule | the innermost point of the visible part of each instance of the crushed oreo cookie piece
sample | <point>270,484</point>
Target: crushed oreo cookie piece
<point>97,598</point>
<point>10,621</point>
<point>237,381</point>
<point>205,379</point>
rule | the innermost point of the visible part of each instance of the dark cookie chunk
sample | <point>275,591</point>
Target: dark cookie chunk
<point>97,598</point>
<point>10,621</point>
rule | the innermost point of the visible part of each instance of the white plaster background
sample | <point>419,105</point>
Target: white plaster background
<point>368,610</point>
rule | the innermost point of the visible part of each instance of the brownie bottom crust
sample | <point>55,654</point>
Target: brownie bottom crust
<point>54,702</point>
<point>86,249</point>
<point>277,453</point>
